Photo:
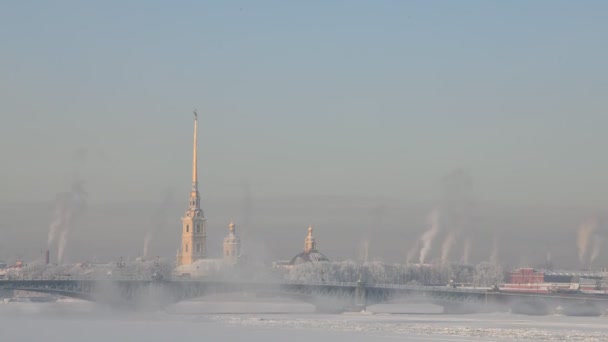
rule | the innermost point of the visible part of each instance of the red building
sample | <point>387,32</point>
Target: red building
<point>526,276</point>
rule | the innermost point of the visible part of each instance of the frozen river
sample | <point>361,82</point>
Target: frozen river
<point>280,321</point>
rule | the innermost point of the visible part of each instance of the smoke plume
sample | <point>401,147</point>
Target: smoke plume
<point>57,222</point>
<point>585,231</point>
<point>68,207</point>
<point>147,239</point>
<point>364,251</point>
<point>427,238</point>
<point>456,209</point>
<point>61,243</point>
<point>457,213</point>
<point>446,247</point>
<point>597,245</point>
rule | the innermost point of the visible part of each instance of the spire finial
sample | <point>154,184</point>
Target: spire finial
<point>309,242</point>
<point>194,161</point>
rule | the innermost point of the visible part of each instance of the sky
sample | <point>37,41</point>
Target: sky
<point>315,99</point>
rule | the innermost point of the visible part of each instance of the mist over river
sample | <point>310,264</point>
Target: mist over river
<point>211,320</point>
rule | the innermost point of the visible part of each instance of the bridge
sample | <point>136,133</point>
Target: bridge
<point>325,296</point>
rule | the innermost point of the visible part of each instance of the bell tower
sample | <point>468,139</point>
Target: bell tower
<point>309,243</point>
<point>232,245</point>
<point>194,229</point>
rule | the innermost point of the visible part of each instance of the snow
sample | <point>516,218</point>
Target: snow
<point>263,321</point>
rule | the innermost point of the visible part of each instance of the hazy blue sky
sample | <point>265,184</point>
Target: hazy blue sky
<point>348,98</point>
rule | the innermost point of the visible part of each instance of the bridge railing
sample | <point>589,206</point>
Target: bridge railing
<point>276,282</point>
<point>436,288</point>
<point>76,278</point>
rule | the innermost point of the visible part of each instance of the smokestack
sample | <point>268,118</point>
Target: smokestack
<point>47,257</point>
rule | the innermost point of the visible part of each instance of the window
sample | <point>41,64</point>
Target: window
<point>186,248</point>
<point>198,248</point>
<point>187,228</point>
<point>198,227</point>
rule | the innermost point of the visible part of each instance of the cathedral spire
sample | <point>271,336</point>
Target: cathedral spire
<point>194,230</point>
<point>194,161</point>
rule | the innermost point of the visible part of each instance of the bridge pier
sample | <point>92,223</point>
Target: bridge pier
<point>359,301</point>
<point>361,295</point>
<point>6,293</point>
<point>531,306</point>
<point>328,308</point>
<point>460,308</point>
<point>581,309</point>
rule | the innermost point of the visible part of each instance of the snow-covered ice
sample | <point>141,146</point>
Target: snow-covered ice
<point>279,321</point>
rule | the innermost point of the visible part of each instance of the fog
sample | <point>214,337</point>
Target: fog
<point>524,235</point>
<point>465,135</point>
<point>353,118</point>
<point>77,322</point>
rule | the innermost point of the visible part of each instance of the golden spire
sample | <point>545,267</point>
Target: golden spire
<point>309,242</point>
<point>194,170</point>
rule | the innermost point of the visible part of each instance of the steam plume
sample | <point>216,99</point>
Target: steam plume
<point>56,224</point>
<point>457,211</point>
<point>147,239</point>
<point>456,218</point>
<point>63,240</point>
<point>585,230</point>
<point>446,247</point>
<point>597,245</point>
<point>68,206</point>
<point>428,237</point>
<point>365,251</point>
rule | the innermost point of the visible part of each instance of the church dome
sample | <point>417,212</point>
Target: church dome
<point>304,257</point>
<point>310,254</point>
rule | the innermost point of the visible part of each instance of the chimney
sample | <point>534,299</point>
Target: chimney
<point>47,257</point>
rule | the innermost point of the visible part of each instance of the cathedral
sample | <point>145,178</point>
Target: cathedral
<point>310,253</point>
<point>192,257</point>
<point>193,248</point>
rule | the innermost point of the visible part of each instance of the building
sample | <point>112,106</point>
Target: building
<point>530,280</point>
<point>194,230</point>
<point>526,276</point>
<point>13,270</point>
<point>232,245</point>
<point>310,253</point>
